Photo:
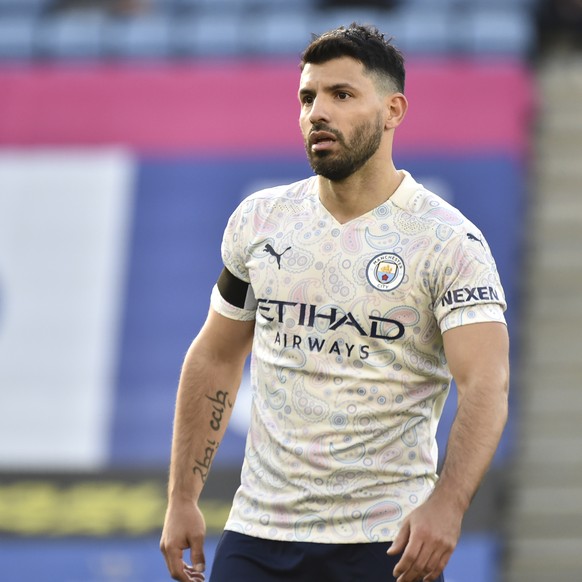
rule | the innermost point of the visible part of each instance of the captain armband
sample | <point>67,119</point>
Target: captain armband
<point>236,292</point>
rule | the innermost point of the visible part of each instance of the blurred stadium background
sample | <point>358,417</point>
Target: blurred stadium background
<point>130,129</point>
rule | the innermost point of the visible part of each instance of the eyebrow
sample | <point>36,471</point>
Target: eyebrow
<point>330,88</point>
<point>338,86</point>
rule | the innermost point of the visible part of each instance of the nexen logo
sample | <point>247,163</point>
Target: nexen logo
<point>467,294</point>
<point>307,315</point>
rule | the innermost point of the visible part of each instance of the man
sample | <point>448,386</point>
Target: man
<point>354,288</point>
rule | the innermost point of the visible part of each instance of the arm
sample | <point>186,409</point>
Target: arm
<point>209,381</point>
<point>478,359</point>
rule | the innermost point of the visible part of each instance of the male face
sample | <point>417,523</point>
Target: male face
<point>342,117</point>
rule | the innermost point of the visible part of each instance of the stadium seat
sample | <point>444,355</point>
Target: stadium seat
<point>74,35</point>
<point>161,6</point>
<point>460,5</point>
<point>509,4</point>
<point>296,6</point>
<point>17,37</point>
<point>147,36</point>
<point>422,31</point>
<point>204,6</point>
<point>30,7</point>
<point>433,4</point>
<point>327,19</point>
<point>251,5</point>
<point>185,5</point>
<point>278,32</point>
<point>392,24</point>
<point>208,34</point>
<point>498,32</point>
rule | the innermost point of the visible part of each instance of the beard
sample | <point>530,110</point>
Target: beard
<point>337,166</point>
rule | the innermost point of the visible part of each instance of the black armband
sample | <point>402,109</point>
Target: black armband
<point>235,291</point>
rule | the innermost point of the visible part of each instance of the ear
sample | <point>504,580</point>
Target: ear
<point>396,107</point>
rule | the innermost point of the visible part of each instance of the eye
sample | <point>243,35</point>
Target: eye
<point>343,96</point>
<point>306,99</point>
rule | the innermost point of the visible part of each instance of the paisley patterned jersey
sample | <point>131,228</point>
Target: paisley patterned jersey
<point>348,371</point>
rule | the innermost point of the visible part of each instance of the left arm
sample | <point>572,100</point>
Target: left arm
<point>478,357</point>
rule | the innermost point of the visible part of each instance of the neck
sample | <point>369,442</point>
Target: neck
<point>359,193</point>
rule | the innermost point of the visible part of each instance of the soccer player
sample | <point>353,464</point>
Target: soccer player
<point>360,295</point>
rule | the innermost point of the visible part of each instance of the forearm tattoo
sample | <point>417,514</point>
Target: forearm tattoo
<point>220,403</point>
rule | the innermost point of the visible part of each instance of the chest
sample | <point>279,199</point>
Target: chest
<point>361,278</point>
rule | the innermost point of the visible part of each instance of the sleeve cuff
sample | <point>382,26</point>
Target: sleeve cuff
<point>220,305</point>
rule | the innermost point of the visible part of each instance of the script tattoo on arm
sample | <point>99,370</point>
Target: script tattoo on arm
<point>220,403</point>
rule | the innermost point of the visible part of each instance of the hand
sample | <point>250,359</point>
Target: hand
<point>184,528</point>
<point>426,541</point>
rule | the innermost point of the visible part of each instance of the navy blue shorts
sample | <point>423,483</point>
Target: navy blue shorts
<point>241,558</point>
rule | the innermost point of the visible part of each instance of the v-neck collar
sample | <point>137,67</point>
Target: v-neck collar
<point>400,198</point>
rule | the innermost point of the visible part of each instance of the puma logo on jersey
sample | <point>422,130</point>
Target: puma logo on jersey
<point>473,237</point>
<point>269,249</point>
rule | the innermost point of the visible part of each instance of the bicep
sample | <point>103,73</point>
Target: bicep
<point>478,354</point>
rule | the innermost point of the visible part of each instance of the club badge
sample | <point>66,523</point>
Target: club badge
<point>385,272</point>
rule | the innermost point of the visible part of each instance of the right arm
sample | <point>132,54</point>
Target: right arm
<point>209,381</point>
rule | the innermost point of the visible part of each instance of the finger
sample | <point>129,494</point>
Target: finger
<point>430,572</point>
<point>399,543</point>
<point>176,566</point>
<point>421,568</point>
<point>196,571</point>
<point>193,576</point>
<point>424,561</point>
<point>408,563</point>
<point>197,556</point>
<point>436,566</point>
<point>413,574</point>
<point>182,575</point>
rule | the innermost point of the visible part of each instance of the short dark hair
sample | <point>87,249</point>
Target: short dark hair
<point>364,43</point>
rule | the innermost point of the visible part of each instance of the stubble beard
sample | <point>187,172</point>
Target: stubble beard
<point>353,155</point>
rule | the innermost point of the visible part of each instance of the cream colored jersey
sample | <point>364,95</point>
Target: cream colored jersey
<point>348,371</point>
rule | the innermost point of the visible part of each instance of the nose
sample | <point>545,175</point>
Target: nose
<point>318,111</point>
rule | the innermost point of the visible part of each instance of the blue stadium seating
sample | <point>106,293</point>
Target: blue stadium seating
<point>244,5</point>
<point>17,37</point>
<point>147,36</point>
<point>331,18</point>
<point>74,35</point>
<point>502,31</point>
<point>431,32</point>
<point>272,34</point>
<point>22,6</point>
<point>208,34</point>
<point>251,27</point>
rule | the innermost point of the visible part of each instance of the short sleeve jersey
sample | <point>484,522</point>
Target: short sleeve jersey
<point>348,371</point>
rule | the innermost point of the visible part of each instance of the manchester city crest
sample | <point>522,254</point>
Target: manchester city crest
<point>386,271</point>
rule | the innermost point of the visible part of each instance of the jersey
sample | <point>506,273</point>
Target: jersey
<point>348,370</point>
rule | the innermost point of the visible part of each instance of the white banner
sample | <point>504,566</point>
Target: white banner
<point>64,238</point>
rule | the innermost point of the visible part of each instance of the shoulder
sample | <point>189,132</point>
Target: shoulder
<point>275,203</point>
<point>429,211</point>
<point>294,192</point>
